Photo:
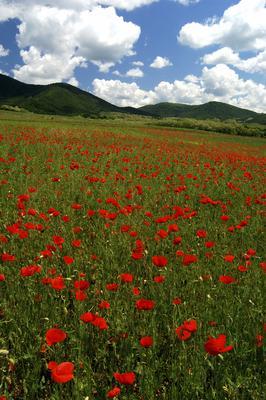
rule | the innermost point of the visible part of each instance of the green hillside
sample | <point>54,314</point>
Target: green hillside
<point>211,110</point>
<point>64,99</point>
<point>57,98</point>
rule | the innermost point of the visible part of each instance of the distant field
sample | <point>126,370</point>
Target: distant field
<point>132,261</point>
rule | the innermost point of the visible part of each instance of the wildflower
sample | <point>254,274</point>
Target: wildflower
<point>146,341</point>
<point>144,304</point>
<point>61,373</point>
<point>159,261</point>
<point>215,346</point>
<point>126,378</point>
<point>113,392</point>
<point>54,335</point>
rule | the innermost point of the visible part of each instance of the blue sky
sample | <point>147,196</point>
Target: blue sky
<point>137,52</point>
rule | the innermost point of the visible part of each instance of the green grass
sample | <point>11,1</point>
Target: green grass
<point>129,169</point>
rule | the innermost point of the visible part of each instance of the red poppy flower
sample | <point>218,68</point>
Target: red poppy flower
<point>201,233</point>
<point>61,373</point>
<point>113,392</point>
<point>146,341</point>
<point>144,304</point>
<point>112,287</point>
<point>54,335</point>
<point>8,257</point>
<point>173,228</point>
<point>58,283</point>
<point>162,233</point>
<point>126,378</point>
<point>242,268</point>
<point>189,259</point>
<point>58,240</point>
<point>100,323</point>
<point>229,258</point>
<point>76,243</point>
<point>104,305</point>
<point>224,217</point>
<point>209,244</point>
<point>159,279</point>
<point>82,285</point>
<point>177,240</point>
<point>190,326</point>
<point>215,346</point>
<point>87,317</point>
<point>182,333</point>
<point>30,270</point>
<point>2,277</point>
<point>126,278</point>
<point>159,261</point>
<point>136,291</point>
<point>259,341</point>
<point>226,279</point>
<point>68,260</point>
<point>80,295</point>
<point>251,252</point>
<point>177,301</point>
<point>137,254</point>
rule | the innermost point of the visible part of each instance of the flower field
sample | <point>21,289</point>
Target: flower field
<point>132,265</point>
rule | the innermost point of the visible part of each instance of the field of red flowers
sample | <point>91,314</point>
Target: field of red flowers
<point>132,265</point>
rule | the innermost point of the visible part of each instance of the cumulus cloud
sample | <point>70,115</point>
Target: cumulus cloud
<point>3,52</point>
<point>160,62</point>
<point>9,8</point>
<point>138,63</point>
<point>253,64</point>
<point>242,27</point>
<point>128,5</point>
<point>45,69</point>
<point>123,94</point>
<point>73,81</point>
<point>218,83</point>
<point>187,2</point>
<point>74,35</point>
<point>135,73</point>
<point>222,56</point>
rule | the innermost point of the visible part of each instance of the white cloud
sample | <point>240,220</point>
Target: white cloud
<point>3,52</point>
<point>219,83</point>
<point>242,27</point>
<point>135,73</point>
<point>224,55</point>
<point>228,56</point>
<point>104,67</point>
<point>253,64</point>
<point>187,2</point>
<point>3,72</point>
<point>66,38</point>
<point>47,68</point>
<point>191,78</point>
<point>9,9</point>
<point>122,94</point>
<point>117,73</point>
<point>138,63</point>
<point>128,5</point>
<point>73,81</point>
<point>160,62</point>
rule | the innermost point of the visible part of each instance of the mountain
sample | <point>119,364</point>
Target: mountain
<point>56,98</point>
<point>64,99</point>
<point>211,110</point>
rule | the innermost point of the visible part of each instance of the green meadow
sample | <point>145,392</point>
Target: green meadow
<point>132,260</point>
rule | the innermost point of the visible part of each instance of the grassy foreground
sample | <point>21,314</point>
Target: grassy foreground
<point>132,262</point>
